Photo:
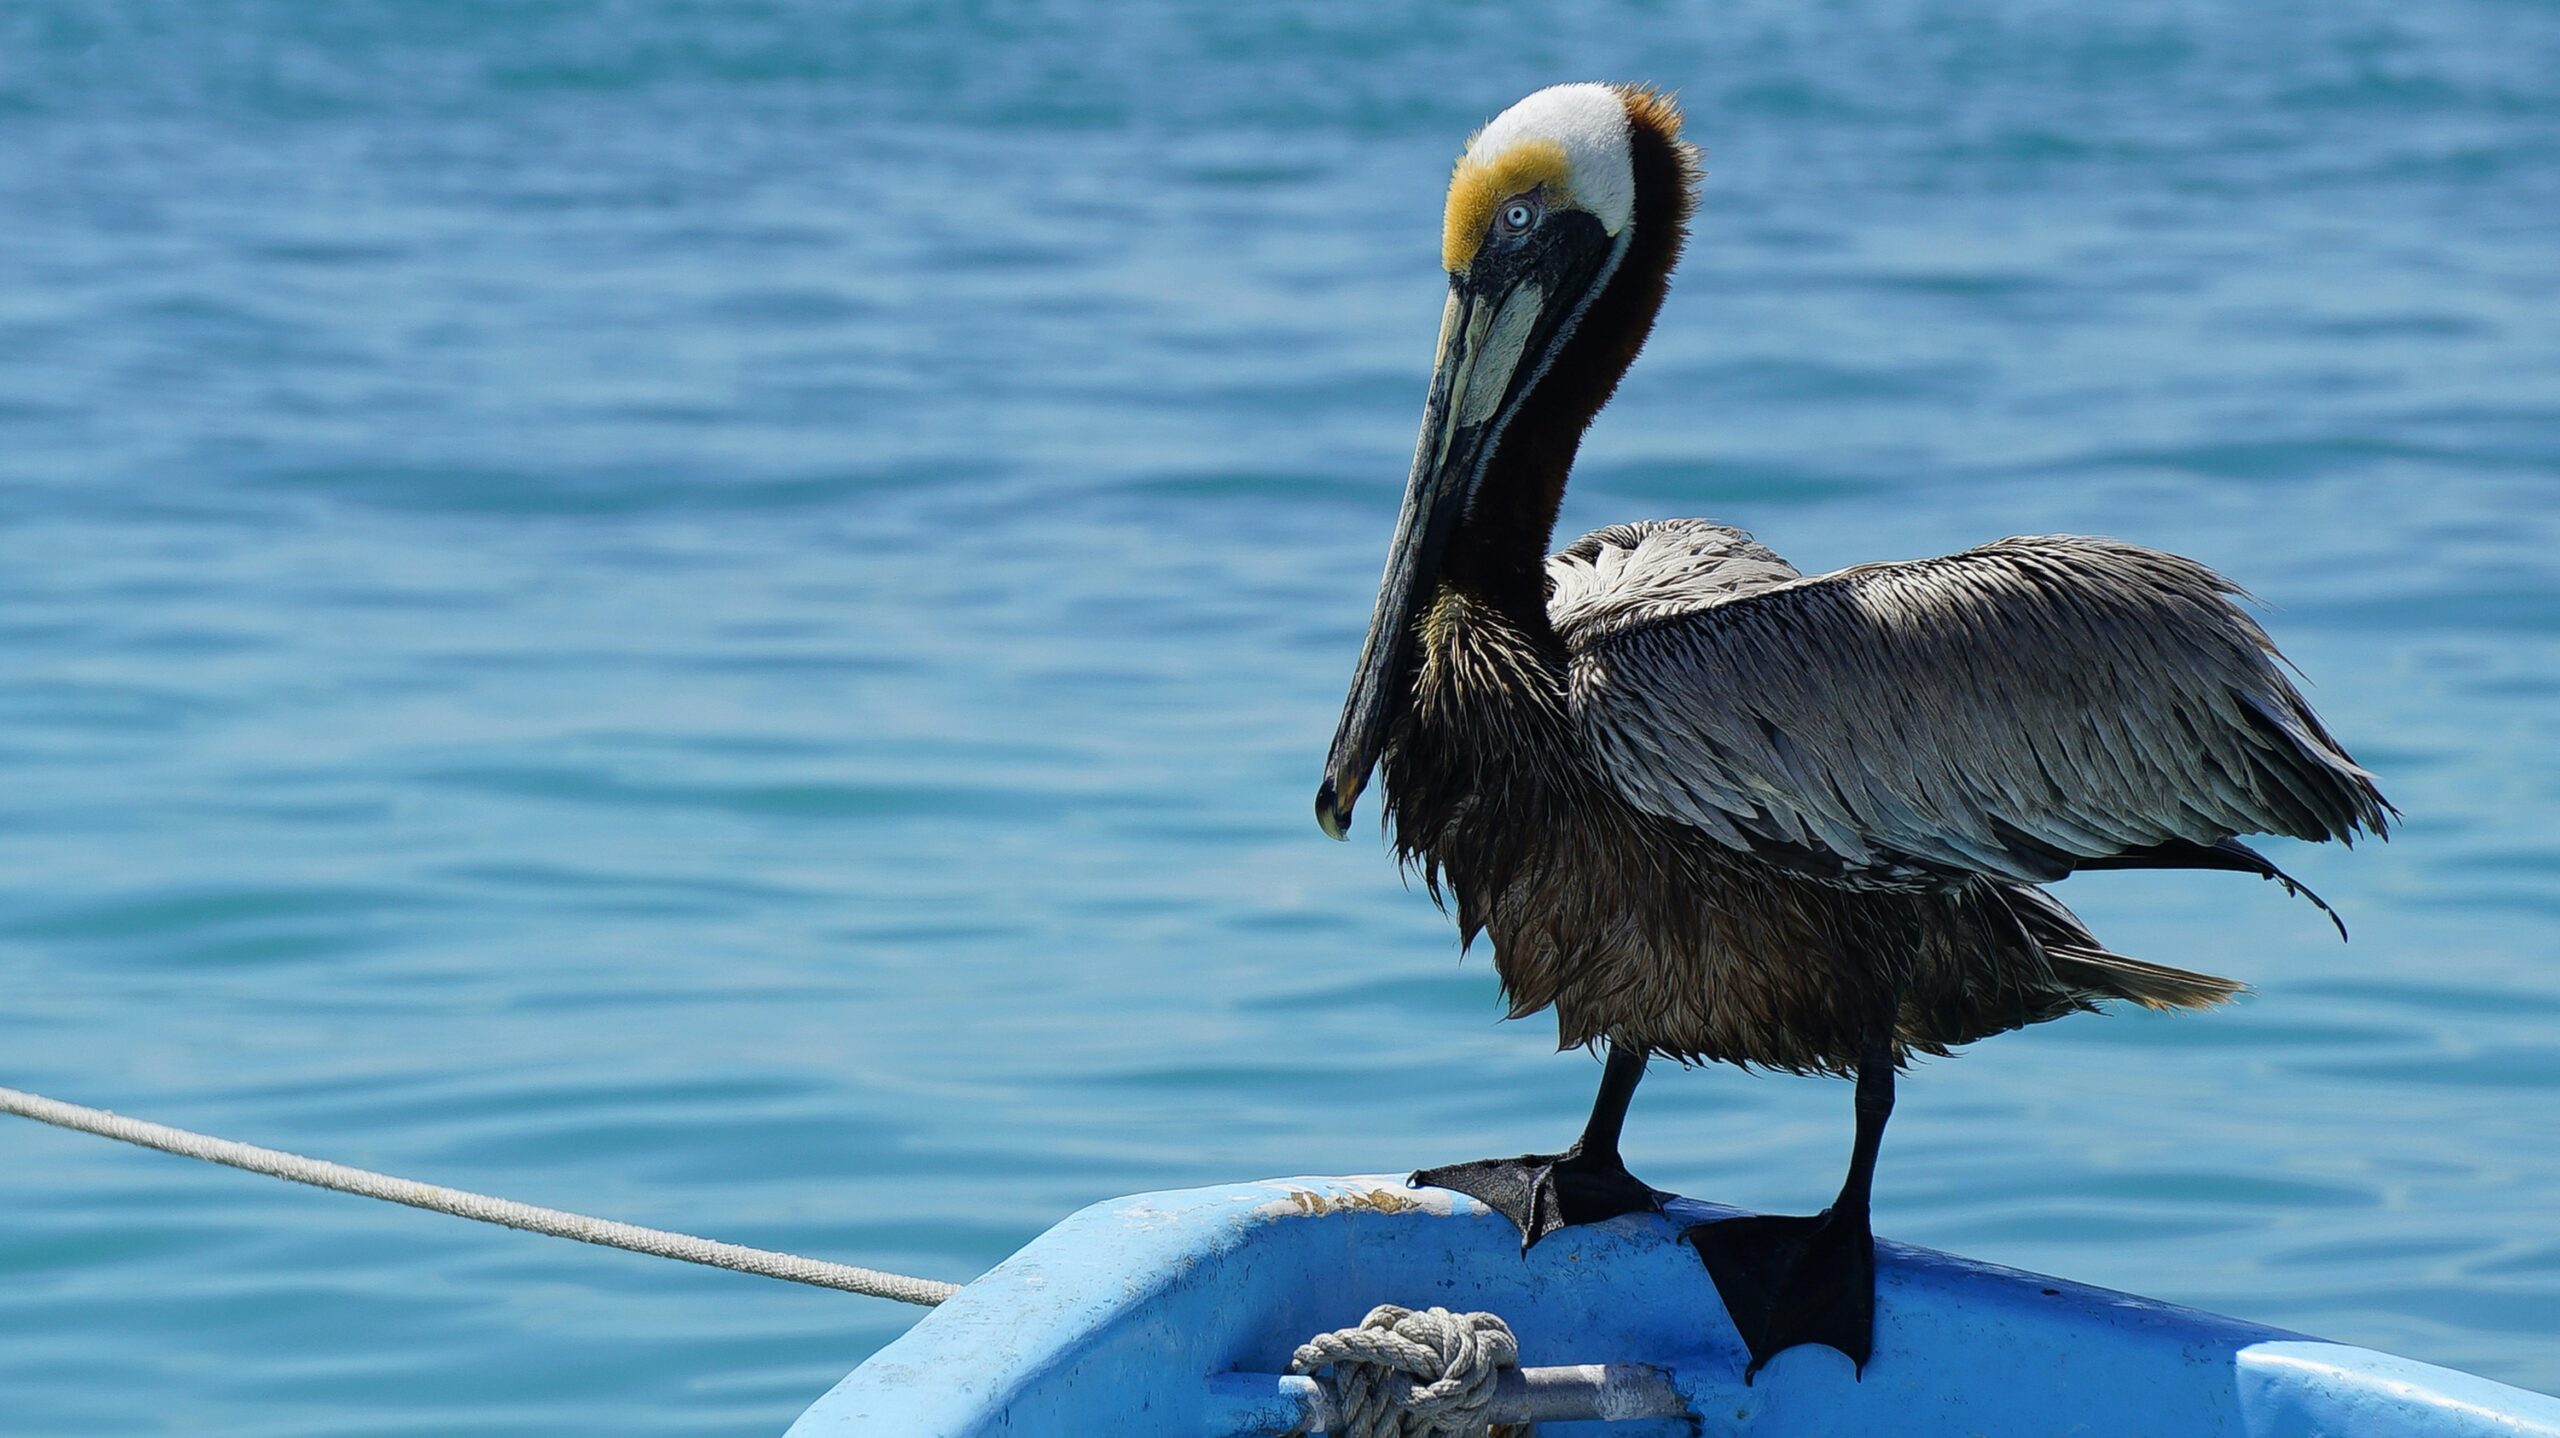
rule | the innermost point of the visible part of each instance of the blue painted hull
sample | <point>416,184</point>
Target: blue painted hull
<point>1124,1319</point>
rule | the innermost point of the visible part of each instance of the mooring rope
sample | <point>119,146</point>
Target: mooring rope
<point>435,1198</point>
<point>1407,1373</point>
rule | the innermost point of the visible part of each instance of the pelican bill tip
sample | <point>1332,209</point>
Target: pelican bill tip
<point>1333,818</point>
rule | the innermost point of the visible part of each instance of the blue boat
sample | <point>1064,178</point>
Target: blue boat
<point>1174,1315</point>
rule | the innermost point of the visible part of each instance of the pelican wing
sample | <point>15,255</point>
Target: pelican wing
<point>2017,710</point>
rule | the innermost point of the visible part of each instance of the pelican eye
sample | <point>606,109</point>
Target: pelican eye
<point>1518,216</point>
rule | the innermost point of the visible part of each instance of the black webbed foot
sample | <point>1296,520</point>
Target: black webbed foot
<point>1542,1192</point>
<point>1787,1281</point>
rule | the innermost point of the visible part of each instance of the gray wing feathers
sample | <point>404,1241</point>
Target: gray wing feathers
<point>2010,710</point>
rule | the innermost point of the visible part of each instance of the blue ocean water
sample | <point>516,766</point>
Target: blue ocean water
<point>726,615</point>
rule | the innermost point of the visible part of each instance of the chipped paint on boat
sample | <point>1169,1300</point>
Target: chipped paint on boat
<point>1117,1319</point>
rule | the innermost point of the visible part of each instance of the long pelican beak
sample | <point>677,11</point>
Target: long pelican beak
<point>1499,326</point>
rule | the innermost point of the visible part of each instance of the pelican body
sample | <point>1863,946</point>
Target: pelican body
<point>1708,808</point>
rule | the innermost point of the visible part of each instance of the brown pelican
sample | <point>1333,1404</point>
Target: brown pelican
<point>1711,808</point>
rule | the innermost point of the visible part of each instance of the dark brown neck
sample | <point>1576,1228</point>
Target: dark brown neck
<point>1499,557</point>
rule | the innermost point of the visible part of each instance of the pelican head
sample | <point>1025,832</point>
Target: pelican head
<point>1575,193</point>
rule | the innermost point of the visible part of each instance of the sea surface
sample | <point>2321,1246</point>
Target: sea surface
<point>726,615</point>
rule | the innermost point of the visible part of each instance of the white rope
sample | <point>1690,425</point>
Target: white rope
<point>1403,1374</point>
<point>480,1206</point>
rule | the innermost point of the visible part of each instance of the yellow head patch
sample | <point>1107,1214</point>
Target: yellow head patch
<point>1481,185</point>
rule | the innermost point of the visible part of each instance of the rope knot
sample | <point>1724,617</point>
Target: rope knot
<point>1408,1374</point>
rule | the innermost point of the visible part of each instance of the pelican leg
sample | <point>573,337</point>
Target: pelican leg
<point>1787,1280</point>
<point>1542,1192</point>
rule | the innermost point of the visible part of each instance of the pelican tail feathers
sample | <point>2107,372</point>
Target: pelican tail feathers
<point>2154,986</point>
